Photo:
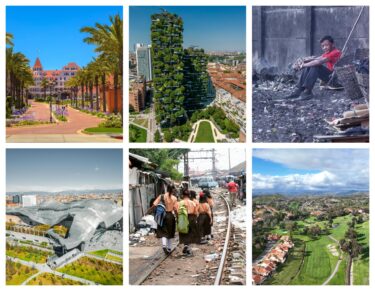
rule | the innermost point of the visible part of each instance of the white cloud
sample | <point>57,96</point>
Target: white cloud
<point>338,170</point>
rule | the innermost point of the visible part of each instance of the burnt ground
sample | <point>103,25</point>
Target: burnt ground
<point>295,121</point>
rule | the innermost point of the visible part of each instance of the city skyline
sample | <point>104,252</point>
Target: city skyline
<point>222,29</point>
<point>293,170</point>
<point>61,41</point>
<point>58,170</point>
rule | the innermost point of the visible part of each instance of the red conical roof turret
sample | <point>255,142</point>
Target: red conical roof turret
<point>38,64</point>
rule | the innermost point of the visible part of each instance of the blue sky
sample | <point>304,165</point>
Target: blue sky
<point>54,170</point>
<point>213,28</point>
<point>293,170</point>
<point>266,167</point>
<point>52,32</point>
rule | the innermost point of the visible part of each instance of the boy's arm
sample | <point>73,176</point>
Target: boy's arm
<point>316,62</point>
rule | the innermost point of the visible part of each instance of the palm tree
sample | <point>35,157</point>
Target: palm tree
<point>73,84</point>
<point>81,79</point>
<point>9,39</point>
<point>44,84</point>
<point>108,40</point>
<point>18,77</point>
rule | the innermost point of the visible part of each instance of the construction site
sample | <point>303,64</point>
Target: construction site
<point>219,258</point>
<point>286,37</point>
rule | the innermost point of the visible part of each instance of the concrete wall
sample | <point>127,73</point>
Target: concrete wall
<point>282,34</point>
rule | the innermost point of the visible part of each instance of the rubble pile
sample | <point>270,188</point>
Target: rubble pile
<point>353,125</point>
<point>146,226</point>
<point>329,115</point>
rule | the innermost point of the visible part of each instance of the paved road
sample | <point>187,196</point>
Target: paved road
<point>77,121</point>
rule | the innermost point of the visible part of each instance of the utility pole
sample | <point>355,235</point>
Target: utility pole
<point>229,161</point>
<point>214,172</point>
<point>186,164</point>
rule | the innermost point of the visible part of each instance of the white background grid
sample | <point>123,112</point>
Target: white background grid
<point>125,145</point>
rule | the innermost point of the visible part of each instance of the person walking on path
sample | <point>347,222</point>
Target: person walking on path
<point>186,219</point>
<point>233,191</point>
<point>204,219</point>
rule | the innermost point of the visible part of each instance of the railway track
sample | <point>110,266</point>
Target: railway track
<point>232,269</point>
<point>220,262</point>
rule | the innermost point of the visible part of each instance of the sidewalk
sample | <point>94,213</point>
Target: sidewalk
<point>54,138</point>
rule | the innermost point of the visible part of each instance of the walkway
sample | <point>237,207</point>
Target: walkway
<point>337,265</point>
<point>215,131</point>
<point>44,268</point>
<point>57,132</point>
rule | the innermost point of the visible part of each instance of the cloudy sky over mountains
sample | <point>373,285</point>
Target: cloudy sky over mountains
<point>294,170</point>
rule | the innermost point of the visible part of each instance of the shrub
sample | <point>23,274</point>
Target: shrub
<point>112,120</point>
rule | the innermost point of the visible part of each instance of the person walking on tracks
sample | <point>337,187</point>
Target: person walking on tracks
<point>233,191</point>
<point>195,236</point>
<point>165,218</point>
<point>210,202</point>
<point>204,218</point>
<point>186,218</point>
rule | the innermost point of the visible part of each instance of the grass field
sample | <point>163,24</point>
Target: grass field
<point>286,272</point>
<point>50,279</point>
<point>17,273</point>
<point>318,262</point>
<point>94,270</point>
<point>339,278</point>
<point>137,134</point>
<point>27,253</point>
<point>361,265</point>
<point>204,133</point>
<point>141,121</point>
<point>342,226</point>
<point>106,253</point>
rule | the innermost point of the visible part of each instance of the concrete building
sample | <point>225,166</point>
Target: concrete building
<point>59,76</point>
<point>84,220</point>
<point>281,34</point>
<point>29,200</point>
<point>144,63</point>
<point>17,199</point>
<point>137,93</point>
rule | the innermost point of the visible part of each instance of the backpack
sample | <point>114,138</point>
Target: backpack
<point>160,212</point>
<point>183,220</point>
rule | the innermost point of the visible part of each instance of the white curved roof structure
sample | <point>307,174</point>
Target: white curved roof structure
<point>82,218</point>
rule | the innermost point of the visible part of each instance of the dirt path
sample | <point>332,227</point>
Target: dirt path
<point>178,269</point>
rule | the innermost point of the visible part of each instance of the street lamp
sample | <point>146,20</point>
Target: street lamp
<point>52,84</point>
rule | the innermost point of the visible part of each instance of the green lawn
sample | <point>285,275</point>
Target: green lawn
<point>27,253</point>
<point>99,271</point>
<point>361,264</point>
<point>318,262</point>
<point>141,121</point>
<point>204,133</point>
<point>339,231</point>
<point>339,278</point>
<point>103,130</point>
<point>50,279</point>
<point>287,271</point>
<point>17,273</point>
<point>103,253</point>
<point>137,134</point>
